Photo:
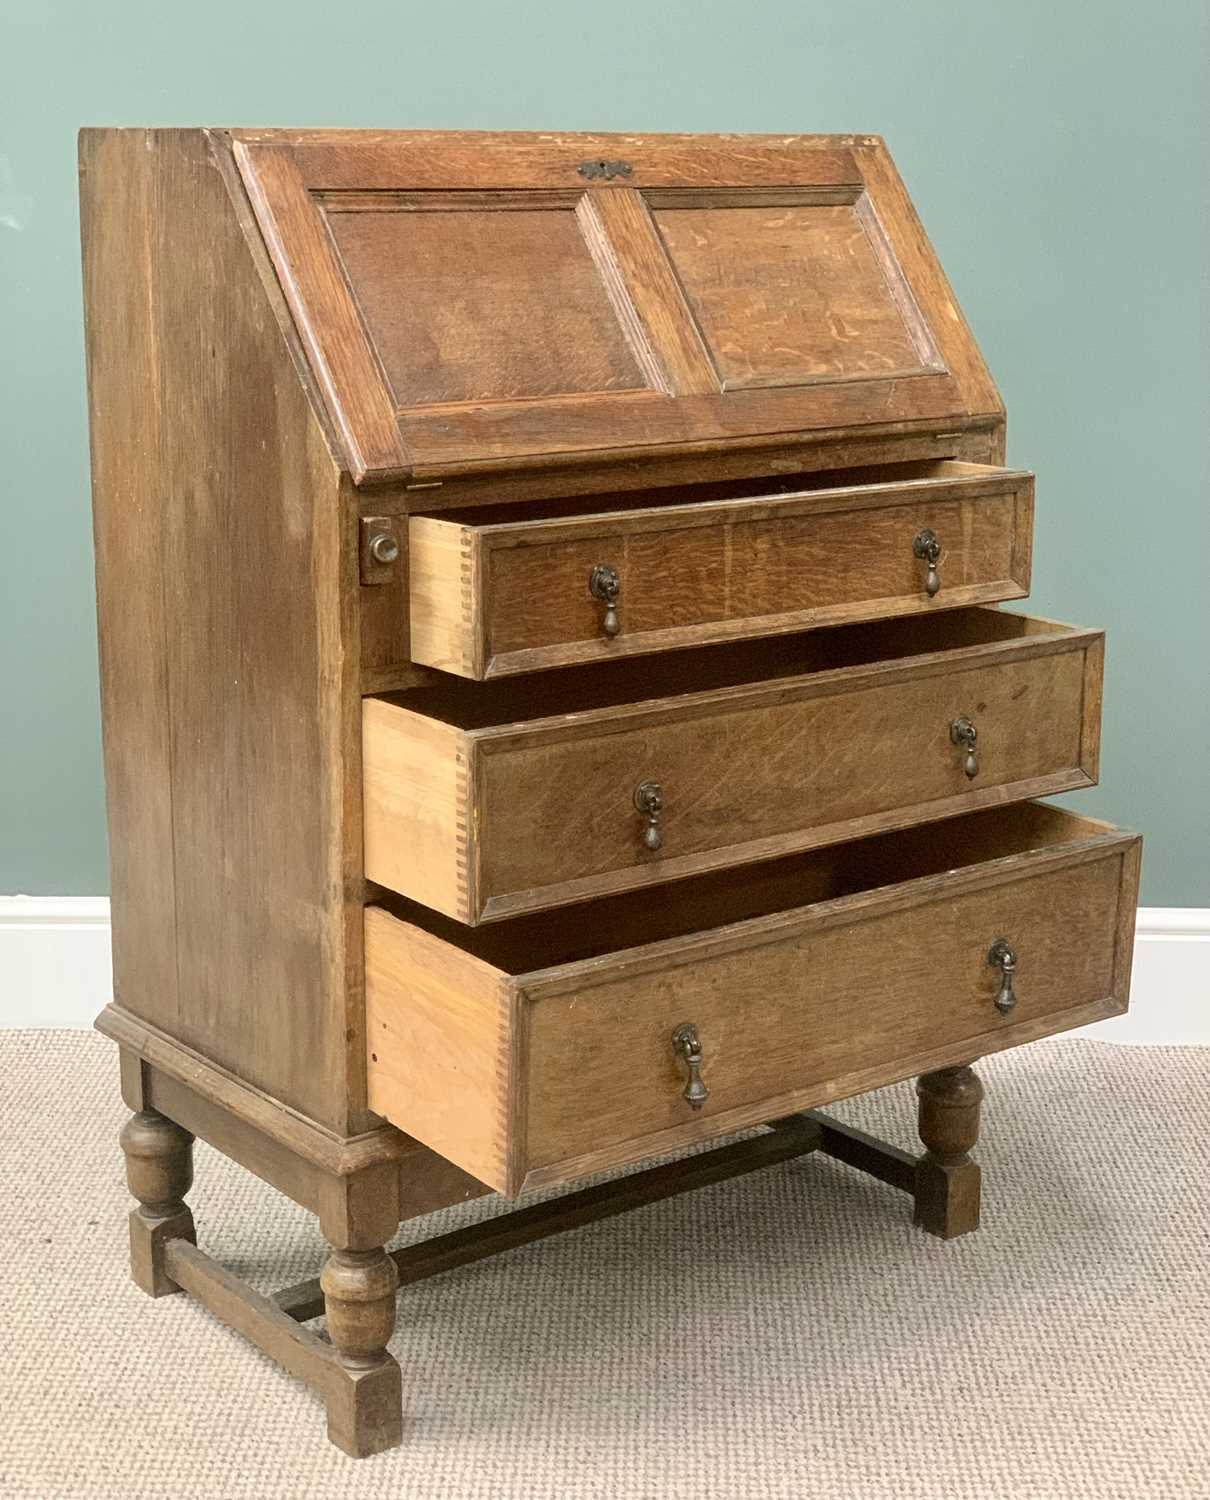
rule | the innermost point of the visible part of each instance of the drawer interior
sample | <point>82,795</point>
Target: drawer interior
<point>537,695</point>
<point>574,933</point>
<point>870,477</point>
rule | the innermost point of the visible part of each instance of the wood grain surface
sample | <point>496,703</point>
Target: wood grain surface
<point>856,741</point>
<point>458,303</point>
<point>882,974</point>
<point>784,294</point>
<point>711,290</point>
<point>226,602</point>
<point>492,595</point>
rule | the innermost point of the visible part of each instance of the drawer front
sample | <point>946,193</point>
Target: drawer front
<point>496,599</point>
<point>790,1016</point>
<point>543,1077</point>
<point>545,815</point>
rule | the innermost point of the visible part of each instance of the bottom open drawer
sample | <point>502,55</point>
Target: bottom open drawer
<point>542,1049</point>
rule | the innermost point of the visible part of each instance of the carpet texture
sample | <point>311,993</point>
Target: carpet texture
<point>787,1336</point>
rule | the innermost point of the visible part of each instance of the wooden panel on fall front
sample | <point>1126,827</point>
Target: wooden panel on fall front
<point>483,303</point>
<point>487,799</point>
<point>555,301</point>
<point>789,293</point>
<point>808,979</point>
<point>506,589</point>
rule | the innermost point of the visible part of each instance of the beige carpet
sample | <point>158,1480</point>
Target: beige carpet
<point>785,1336</point>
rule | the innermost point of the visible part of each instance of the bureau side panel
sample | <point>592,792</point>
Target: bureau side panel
<point>228,633</point>
<point>117,206</point>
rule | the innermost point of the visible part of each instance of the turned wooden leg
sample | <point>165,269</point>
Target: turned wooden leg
<point>365,1410</point>
<point>947,1180</point>
<point>159,1170</point>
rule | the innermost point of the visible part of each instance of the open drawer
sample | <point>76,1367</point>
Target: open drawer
<point>485,800</point>
<point>541,1050</point>
<point>516,588</point>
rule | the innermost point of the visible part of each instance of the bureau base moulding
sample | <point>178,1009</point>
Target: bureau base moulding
<point>54,970</point>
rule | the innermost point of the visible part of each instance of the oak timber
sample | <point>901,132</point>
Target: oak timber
<point>505,590</point>
<point>229,691</point>
<point>884,973</point>
<point>759,749</point>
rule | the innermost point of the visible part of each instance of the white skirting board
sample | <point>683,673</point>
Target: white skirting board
<point>54,969</point>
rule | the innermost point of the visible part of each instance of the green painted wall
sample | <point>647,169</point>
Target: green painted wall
<point>1056,150</point>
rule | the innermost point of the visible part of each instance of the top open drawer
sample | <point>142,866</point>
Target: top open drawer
<point>477,302</point>
<point>518,588</point>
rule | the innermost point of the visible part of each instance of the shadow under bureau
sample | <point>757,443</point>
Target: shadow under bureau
<point>557,708</point>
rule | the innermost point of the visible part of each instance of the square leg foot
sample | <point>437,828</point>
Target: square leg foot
<point>148,1236</point>
<point>947,1197</point>
<point>365,1409</point>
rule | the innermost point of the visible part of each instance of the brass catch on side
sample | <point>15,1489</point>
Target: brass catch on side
<point>380,548</point>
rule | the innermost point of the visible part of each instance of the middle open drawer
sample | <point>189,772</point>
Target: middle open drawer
<point>482,801</point>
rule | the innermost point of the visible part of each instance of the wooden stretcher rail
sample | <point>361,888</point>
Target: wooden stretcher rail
<point>795,1136</point>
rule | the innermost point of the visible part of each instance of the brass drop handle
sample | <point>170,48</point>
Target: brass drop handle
<point>927,548</point>
<point>605,585</point>
<point>688,1047</point>
<point>1001,956</point>
<point>649,804</point>
<point>963,732</point>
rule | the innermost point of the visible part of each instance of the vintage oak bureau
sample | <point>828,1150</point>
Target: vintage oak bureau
<point>556,709</point>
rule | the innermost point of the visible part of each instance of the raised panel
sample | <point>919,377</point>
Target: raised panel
<point>473,303</point>
<point>483,303</point>
<point>788,294</point>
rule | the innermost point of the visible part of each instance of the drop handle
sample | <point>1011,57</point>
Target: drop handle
<point>927,548</point>
<point>604,585</point>
<point>688,1047</point>
<point>963,732</point>
<point>1001,956</point>
<point>649,804</point>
